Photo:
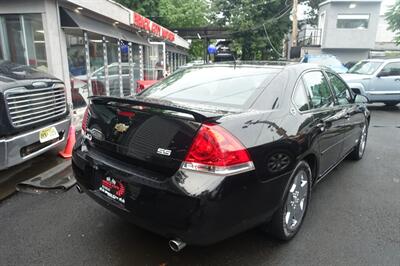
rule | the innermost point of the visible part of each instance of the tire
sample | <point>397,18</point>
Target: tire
<point>391,103</point>
<point>359,150</point>
<point>287,220</point>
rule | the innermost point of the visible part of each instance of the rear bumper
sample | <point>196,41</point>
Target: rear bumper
<point>187,206</point>
<point>11,152</point>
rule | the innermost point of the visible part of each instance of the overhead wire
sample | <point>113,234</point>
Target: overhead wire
<point>270,43</point>
<point>277,16</point>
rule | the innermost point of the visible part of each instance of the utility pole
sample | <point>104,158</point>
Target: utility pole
<point>294,23</point>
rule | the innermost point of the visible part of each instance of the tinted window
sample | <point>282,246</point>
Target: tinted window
<point>217,85</point>
<point>340,89</point>
<point>300,97</point>
<point>318,89</point>
<point>392,68</point>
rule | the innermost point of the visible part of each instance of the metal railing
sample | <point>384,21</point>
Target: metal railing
<point>309,37</point>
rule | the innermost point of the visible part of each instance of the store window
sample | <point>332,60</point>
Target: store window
<point>96,55</point>
<point>22,40</point>
<point>105,75</point>
<point>352,21</point>
<point>113,66</point>
<point>173,62</point>
<point>153,62</point>
<point>136,64</point>
<point>77,68</point>
<point>126,68</point>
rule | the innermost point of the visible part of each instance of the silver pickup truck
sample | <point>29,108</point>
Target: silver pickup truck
<point>377,79</point>
<point>34,115</point>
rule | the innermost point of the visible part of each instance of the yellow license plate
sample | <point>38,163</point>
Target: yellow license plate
<point>47,134</point>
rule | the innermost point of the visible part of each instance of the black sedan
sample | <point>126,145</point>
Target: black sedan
<point>214,150</point>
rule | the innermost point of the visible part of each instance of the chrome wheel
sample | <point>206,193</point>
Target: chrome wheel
<point>296,202</point>
<point>363,141</point>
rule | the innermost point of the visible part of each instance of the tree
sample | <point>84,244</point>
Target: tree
<point>171,13</point>
<point>313,14</point>
<point>393,19</point>
<point>147,8</point>
<point>174,14</point>
<point>257,26</point>
<point>183,13</point>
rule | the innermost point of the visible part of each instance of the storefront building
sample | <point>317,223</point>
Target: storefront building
<point>97,47</point>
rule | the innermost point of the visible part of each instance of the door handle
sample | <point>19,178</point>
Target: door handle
<point>321,126</point>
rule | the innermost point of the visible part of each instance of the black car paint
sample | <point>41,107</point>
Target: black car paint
<point>12,76</point>
<point>202,210</point>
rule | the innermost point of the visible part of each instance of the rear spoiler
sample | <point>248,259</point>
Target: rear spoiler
<point>160,104</point>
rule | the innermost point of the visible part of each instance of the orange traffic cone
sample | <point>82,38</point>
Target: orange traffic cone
<point>67,153</point>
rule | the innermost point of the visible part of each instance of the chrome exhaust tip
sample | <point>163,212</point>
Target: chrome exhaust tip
<point>79,189</point>
<point>176,245</point>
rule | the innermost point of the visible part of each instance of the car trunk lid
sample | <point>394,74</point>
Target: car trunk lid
<point>153,134</point>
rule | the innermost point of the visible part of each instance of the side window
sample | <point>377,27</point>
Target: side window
<point>318,89</point>
<point>392,68</point>
<point>300,97</point>
<point>340,89</point>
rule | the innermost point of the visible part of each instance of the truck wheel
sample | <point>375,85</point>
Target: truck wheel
<point>287,220</point>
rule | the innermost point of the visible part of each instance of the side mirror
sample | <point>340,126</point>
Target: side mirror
<point>360,99</point>
<point>383,73</point>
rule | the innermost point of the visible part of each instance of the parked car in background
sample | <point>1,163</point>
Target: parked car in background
<point>377,79</point>
<point>214,150</point>
<point>350,64</point>
<point>34,115</point>
<point>327,60</point>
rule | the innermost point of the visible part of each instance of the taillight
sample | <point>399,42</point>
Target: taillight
<point>215,150</point>
<point>85,119</point>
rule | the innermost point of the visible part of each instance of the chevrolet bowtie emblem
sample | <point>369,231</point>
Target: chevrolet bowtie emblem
<point>120,127</point>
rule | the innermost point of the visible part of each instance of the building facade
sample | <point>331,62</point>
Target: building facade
<point>348,28</point>
<point>351,30</point>
<point>96,47</point>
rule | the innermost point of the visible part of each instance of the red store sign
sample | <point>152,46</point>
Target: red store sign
<point>146,24</point>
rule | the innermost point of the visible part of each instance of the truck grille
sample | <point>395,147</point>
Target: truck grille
<point>30,106</point>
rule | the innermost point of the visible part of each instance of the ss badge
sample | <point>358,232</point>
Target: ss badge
<point>164,152</point>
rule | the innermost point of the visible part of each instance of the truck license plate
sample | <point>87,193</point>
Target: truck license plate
<point>47,134</point>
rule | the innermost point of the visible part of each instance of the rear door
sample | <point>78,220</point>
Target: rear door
<point>353,117</point>
<point>328,119</point>
<point>387,85</point>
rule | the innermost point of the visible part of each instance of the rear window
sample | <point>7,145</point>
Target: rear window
<point>219,85</point>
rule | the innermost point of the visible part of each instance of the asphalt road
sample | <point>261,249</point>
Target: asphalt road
<point>354,219</point>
